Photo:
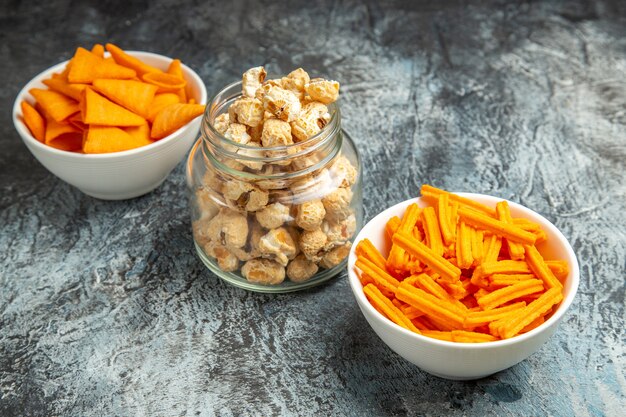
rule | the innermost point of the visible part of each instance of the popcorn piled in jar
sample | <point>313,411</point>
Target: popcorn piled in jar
<point>276,193</point>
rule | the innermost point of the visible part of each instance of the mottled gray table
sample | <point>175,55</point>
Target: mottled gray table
<point>106,310</point>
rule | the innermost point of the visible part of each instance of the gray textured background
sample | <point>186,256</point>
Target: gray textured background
<point>105,309</point>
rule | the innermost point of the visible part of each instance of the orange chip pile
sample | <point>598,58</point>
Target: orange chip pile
<point>101,105</point>
<point>461,271</point>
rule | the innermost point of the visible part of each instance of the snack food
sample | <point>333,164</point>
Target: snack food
<point>271,161</point>
<point>101,105</point>
<point>483,282</point>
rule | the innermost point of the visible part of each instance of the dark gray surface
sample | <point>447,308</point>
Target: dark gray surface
<point>105,309</point>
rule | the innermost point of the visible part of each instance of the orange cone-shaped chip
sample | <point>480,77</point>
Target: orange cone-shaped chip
<point>159,102</point>
<point>141,134</point>
<point>98,50</point>
<point>55,129</point>
<point>87,67</point>
<point>76,120</point>
<point>100,111</point>
<point>57,105</point>
<point>173,117</point>
<point>122,58</point>
<point>176,70</point>
<point>61,85</point>
<point>167,83</point>
<point>72,141</point>
<point>133,95</point>
<point>34,121</point>
<point>105,139</point>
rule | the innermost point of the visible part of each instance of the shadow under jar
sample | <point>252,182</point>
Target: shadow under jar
<point>274,219</point>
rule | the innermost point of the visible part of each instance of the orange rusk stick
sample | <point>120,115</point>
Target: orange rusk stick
<point>429,285</point>
<point>501,267</point>
<point>493,249</point>
<point>411,312</point>
<point>531,227</point>
<point>409,219</point>
<point>560,269</point>
<point>464,257</point>
<point>392,312</point>
<point>457,290</point>
<point>437,334</point>
<point>392,226</point>
<point>463,336</point>
<point>441,324</point>
<point>420,323</point>
<point>432,192</point>
<point>454,209</point>
<point>429,304</point>
<point>431,228</point>
<point>498,227</point>
<point>426,255</point>
<point>539,267</point>
<point>526,224</point>
<point>506,294</point>
<point>534,324</point>
<point>366,249</point>
<point>516,250</point>
<point>380,276</point>
<point>479,318</point>
<point>531,312</point>
<point>477,245</point>
<point>502,280</point>
<point>443,214</point>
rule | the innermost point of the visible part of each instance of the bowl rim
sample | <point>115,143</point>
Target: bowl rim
<point>574,275</point>
<point>30,140</point>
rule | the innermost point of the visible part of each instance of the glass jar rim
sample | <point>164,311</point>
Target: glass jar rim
<point>214,104</point>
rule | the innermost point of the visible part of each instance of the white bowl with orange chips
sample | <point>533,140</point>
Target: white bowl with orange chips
<point>459,360</point>
<point>112,174</point>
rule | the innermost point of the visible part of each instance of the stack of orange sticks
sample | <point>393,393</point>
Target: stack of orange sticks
<point>461,271</point>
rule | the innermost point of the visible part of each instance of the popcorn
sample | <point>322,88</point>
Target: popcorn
<point>337,204</point>
<point>284,104</point>
<point>199,229</point>
<point>334,257</point>
<point>264,88</point>
<point>313,117</point>
<point>301,269</point>
<point>338,233</point>
<point>225,259</point>
<point>247,111</point>
<point>310,215</point>
<point>206,206</point>
<point>263,271</point>
<point>273,215</point>
<point>255,133</point>
<point>237,133</point>
<point>312,243</point>
<point>228,228</point>
<point>295,82</point>
<point>245,195</point>
<point>252,80</point>
<point>321,90</point>
<point>279,243</point>
<point>343,172</point>
<point>252,164</point>
<point>221,123</point>
<point>276,133</point>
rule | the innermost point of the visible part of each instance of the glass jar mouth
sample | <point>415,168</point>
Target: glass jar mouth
<point>219,102</point>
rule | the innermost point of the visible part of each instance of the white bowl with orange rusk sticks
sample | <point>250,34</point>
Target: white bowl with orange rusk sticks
<point>105,160</point>
<point>462,285</point>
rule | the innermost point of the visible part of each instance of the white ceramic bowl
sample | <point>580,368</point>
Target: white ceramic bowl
<point>118,175</point>
<point>461,361</point>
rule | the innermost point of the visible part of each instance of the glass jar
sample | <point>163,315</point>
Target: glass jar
<point>274,219</point>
